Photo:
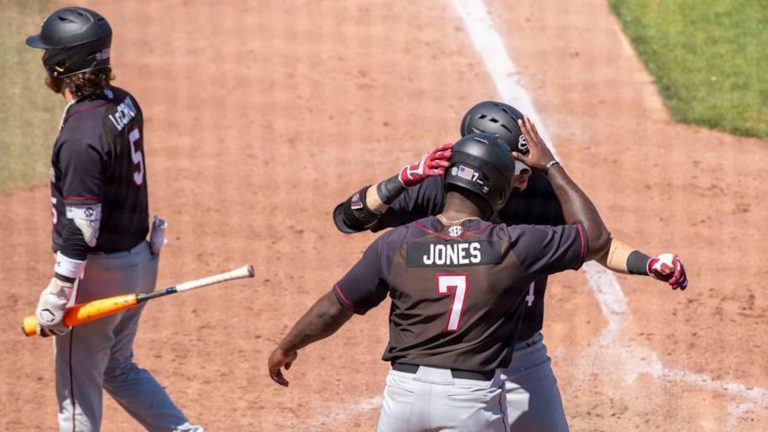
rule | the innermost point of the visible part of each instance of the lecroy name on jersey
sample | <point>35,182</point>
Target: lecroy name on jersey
<point>452,253</point>
<point>123,114</point>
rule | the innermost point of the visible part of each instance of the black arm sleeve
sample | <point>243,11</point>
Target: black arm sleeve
<point>424,199</point>
<point>81,177</point>
<point>74,243</point>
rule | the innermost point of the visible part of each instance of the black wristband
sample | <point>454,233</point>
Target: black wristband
<point>390,189</point>
<point>64,278</point>
<point>637,263</point>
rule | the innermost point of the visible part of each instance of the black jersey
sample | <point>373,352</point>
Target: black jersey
<point>536,205</point>
<point>98,165</point>
<point>458,291</point>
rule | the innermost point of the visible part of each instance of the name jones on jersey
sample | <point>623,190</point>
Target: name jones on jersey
<point>452,253</point>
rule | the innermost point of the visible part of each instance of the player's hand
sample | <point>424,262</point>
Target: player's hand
<point>670,269</point>
<point>539,155</point>
<point>51,308</point>
<point>430,164</point>
<point>277,360</point>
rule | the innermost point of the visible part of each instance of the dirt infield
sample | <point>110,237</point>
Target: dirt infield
<point>261,116</point>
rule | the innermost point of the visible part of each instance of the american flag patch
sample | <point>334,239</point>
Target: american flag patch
<point>465,172</point>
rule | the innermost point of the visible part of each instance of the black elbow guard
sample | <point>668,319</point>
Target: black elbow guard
<point>353,215</point>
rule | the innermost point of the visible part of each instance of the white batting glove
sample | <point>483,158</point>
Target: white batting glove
<point>51,308</point>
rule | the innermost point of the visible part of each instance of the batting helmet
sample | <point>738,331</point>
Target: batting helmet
<point>482,164</point>
<point>497,118</point>
<point>75,40</point>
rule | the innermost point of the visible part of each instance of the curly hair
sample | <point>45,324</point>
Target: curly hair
<point>84,83</point>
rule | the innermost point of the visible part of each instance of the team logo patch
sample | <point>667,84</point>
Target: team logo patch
<point>522,144</point>
<point>455,231</point>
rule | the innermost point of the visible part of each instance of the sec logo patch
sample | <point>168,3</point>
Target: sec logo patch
<point>455,231</point>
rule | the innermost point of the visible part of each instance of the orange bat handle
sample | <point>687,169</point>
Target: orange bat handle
<point>85,312</point>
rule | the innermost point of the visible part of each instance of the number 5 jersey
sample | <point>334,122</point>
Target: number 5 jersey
<point>98,176</point>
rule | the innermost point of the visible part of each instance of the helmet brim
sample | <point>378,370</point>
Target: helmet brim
<point>36,42</point>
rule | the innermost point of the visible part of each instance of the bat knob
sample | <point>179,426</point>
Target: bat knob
<point>251,272</point>
<point>29,326</point>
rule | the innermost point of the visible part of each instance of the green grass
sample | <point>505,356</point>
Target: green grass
<point>709,58</point>
<point>29,112</point>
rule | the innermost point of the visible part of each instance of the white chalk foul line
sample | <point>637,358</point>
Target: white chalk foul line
<point>607,290</point>
<point>343,412</point>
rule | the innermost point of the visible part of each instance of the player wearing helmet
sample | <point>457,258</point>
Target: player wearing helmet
<point>533,396</point>
<point>100,224</point>
<point>458,285</point>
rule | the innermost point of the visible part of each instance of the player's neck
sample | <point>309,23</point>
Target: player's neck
<point>459,207</point>
<point>68,96</point>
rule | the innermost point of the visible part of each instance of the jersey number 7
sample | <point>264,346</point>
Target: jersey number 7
<point>458,283</point>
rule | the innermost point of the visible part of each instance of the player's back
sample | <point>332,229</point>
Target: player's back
<point>458,290</point>
<point>99,160</point>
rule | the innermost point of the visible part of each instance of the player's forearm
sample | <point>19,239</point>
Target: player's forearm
<point>366,206</point>
<point>320,321</point>
<point>70,259</point>
<point>623,258</point>
<point>578,208</point>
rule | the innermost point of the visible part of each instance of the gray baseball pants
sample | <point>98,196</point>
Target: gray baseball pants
<point>432,400</point>
<point>533,398</point>
<point>99,355</point>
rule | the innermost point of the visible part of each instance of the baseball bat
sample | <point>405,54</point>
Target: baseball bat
<point>93,310</point>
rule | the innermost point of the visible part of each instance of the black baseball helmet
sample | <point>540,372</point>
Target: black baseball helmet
<point>75,39</point>
<point>482,164</point>
<point>497,118</point>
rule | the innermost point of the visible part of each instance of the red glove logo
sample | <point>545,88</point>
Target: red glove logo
<point>430,164</point>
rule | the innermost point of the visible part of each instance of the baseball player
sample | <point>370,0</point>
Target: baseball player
<point>533,398</point>
<point>100,224</point>
<point>458,285</point>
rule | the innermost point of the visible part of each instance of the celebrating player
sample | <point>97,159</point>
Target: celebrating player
<point>100,223</point>
<point>533,397</point>
<point>458,285</point>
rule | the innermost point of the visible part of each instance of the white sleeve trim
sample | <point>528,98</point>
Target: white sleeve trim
<point>68,267</point>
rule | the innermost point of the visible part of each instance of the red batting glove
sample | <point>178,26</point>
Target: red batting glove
<point>670,269</point>
<point>430,164</point>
